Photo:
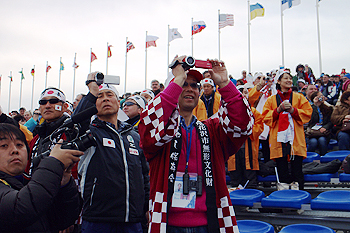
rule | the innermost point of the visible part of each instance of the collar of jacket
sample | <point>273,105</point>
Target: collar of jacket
<point>122,126</point>
<point>46,128</point>
<point>13,181</point>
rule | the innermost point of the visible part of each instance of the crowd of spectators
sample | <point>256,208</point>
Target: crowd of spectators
<point>292,114</point>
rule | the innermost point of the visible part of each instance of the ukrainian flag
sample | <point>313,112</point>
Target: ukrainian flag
<point>256,10</point>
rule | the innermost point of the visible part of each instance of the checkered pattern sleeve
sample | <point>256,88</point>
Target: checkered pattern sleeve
<point>235,115</point>
<point>159,121</point>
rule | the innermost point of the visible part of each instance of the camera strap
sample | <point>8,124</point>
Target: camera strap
<point>175,150</point>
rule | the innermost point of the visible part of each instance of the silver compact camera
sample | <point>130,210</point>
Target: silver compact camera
<point>110,79</point>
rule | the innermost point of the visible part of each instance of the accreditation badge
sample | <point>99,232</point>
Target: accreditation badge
<point>179,199</point>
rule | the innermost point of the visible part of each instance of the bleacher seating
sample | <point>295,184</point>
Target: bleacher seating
<point>246,197</point>
<point>306,228</point>
<point>344,177</point>
<point>254,226</point>
<point>332,200</point>
<point>311,156</point>
<point>340,154</point>
<point>332,143</point>
<point>286,199</point>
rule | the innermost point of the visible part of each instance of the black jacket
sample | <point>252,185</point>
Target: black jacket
<point>114,174</point>
<point>40,146</point>
<point>326,112</point>
<point>41,205</point>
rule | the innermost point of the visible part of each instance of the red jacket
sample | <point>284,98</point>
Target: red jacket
<point>159,124</point>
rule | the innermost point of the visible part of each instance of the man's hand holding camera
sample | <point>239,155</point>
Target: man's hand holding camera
<point>219,73</point>
<point>67,157</point>
<point>91,83</point>
<point>179,72</point>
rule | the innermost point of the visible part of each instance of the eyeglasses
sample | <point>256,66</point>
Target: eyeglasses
<point>51,101</point>
<point>193,85</point>
<point>128,104</point>
<point>37,113</point>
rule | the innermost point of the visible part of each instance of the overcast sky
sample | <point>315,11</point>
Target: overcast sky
<point>36,31</point>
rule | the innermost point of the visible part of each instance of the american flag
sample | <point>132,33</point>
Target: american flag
<point>129,46</point>
<point>225,20</point>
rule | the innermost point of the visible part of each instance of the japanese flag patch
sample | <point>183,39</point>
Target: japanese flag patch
<point>58,107</point>
<point>108,142</point>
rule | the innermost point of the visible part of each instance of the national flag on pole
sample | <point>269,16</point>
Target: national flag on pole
<point>93,57</point>
<point>129,46</point>
<point>109,52</point>
<point>287,4</point>
<point>256,11</point>
<point>22,76</point>
<point>151,41</point>
<point>32,72</point>
<point>10,78</point>
<point>75,65</point>
<point>61,66</point>
<point>48,68</point>
<point>225,20</point>
<point>174,34</point>
<point>198,26</point>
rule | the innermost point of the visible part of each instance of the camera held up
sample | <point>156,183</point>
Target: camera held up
<point>189,62</point>
<point>81,140</point>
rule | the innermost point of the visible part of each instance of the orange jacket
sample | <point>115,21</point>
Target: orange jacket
<point>201,112</point>
<point>27,133</point>
<point>304,111</point>
<point>257,130</point>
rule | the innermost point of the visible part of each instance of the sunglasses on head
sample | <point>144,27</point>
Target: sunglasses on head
<point>193,85</point>
<point>129,104</point>
<point>51,101</point>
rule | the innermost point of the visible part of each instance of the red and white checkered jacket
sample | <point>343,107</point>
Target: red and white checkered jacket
<point>158,125</point>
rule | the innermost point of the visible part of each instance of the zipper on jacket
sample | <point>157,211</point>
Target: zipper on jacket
<point>126,168</point>
<point>93,190</point>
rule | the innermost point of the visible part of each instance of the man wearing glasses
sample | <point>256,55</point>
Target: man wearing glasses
<point>52,106</point>
<point>133,107</point>
<point>187,157</point>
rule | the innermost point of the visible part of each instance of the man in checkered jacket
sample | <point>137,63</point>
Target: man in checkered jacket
<point>187,157</point>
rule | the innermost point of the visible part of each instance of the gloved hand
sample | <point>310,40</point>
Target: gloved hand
<point>285,106</point>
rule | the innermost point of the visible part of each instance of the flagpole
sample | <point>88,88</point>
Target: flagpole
<point>20,91</point>
<point>107,60</point>
<point>282,36</point>
<point>90,59</point>
<point>126,60</point>
<point>146,61</point>
<point>47,63</point>
<point>8,107</point>
<point>31,104</point>
<point>59,77</point>
<point>192,34</point>
<point>75,57</point>
<point>167,66</point>
<point>319,39</point>
<point>219,32</point>
<point>249,61</point>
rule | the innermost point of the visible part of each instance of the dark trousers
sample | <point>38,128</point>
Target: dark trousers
<point>296,173</point>
<point>241,174</point>
<point>201,229</point>
<point>94,227</point>
<point>265,149</point>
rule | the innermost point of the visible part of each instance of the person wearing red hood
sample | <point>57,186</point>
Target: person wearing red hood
<point>286,113</point>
